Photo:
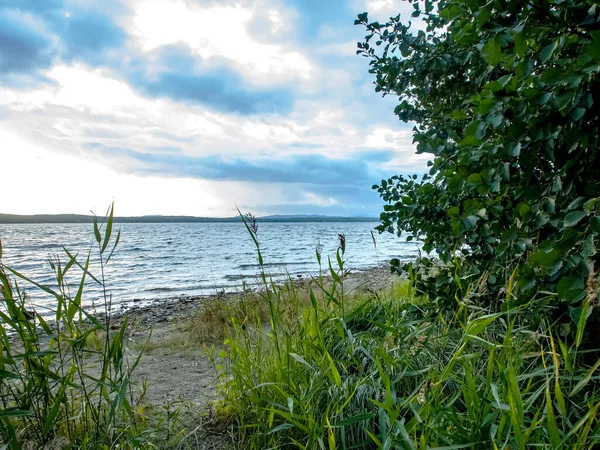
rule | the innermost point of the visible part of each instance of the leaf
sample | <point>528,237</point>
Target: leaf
<point>453,212</point>
<point>571,288</point>
<point>300,359</point>
<point>552,426</point>
<point>355,419</point>
<point>586,379</point>
<point>547,52</point>
<point>334,372</point>
<point>492,51</point>
<point>474,178</point>
<point>595,224</point>
<point>573,218</point>
<point>97,231</point>
<point>469,140</point>
<point>578,113</point>
<point>109,226</point>
<point>283,426</point>
<point>14,412</point>
<point>451,12</point>
<point>588,249</point>
<point>7,374</point>
<point>458,115</point>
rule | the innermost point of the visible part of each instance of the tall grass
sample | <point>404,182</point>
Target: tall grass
<point>66,383</point>
<point>391,372</point>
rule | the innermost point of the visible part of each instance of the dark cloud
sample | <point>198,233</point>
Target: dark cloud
<point>34,34</point>
<point>24,47</point>
<point>308,169</point>
<point>86,33</point>
<point>172,71</point>
<point>218,90</point>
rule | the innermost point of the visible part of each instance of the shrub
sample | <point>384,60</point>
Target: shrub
<point>505,98</point>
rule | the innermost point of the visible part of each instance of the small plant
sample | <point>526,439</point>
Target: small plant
<point>391,371</point>
<point>66,382</point>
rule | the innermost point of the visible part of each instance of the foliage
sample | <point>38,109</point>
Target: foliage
<point>387,372</point>
<point>66,383</point>
<point>505,97</point>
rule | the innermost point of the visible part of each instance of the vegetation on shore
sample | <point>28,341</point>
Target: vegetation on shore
<point>494,345</point>
<point>395,371</point>
<point>66,383</point>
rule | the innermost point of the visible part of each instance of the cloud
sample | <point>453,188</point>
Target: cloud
<point>262,103</point>
<point>221,30</point>
<point>87,33</point>
<point>172,71</point>
<point>308,169</point>
<point>34,35</point>
<point>218,91</point>
<point>25,43</point>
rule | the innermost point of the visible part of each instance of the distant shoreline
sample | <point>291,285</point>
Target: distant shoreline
<point>7,219</point>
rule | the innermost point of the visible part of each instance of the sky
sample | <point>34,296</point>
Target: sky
<point>191,107</point>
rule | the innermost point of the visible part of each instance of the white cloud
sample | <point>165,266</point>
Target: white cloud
<point>382,10</point>
<point>221,30</point>
<point>68,144</point>
<point>81,87</point>
<point>386,138</point>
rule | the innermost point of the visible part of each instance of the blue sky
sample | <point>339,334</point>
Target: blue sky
<point>192,107</point>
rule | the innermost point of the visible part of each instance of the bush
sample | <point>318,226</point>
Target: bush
<point>505,98</point>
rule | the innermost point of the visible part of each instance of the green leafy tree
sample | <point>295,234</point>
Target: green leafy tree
<point>505,97</point>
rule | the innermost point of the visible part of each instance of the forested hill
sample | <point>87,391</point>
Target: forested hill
<point>79,218</point>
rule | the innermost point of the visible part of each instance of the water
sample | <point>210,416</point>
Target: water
<point>166,260</point>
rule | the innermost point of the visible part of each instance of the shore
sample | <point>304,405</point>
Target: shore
<point>160,311</point>
<point>177,371</point>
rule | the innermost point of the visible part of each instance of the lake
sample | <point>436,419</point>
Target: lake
<point>166,260</point>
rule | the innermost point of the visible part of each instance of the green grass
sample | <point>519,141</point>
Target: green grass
<point>390,372</point>
<point>66,383</point>
<point>314,368</point>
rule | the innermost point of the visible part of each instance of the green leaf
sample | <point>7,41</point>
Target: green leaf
<point>6,374</point>
<point>451,12</point>
<point>586,379</point>
<point>492,51</point>
<point>282,427</point>
<point>453,212</point>
<point>552,426</point>
<point>458,115</point>
<point>481,323</point>
<point>14,412</point>
<point>475,178</point>
<point>547,52</point>
<point>337,379</point>
<point>571,288</point>
<point>588,249</point>
<point>520,44</point>
<point>469,141</point>
<point>109,226</point>
<point>595,224</point>
<point>355,419</point>
<point>97,231</point>
<point>573,218</point>
<point>578,113</point>
<point>300,359</point>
